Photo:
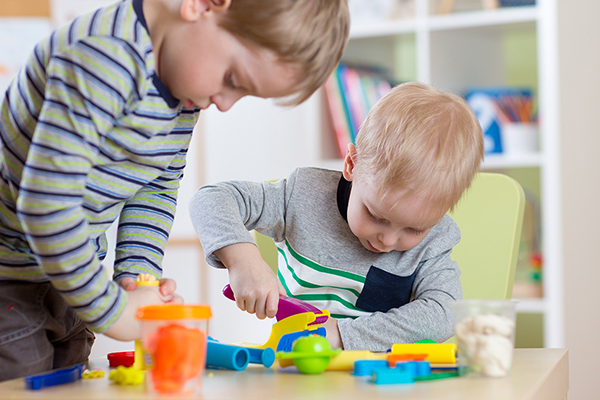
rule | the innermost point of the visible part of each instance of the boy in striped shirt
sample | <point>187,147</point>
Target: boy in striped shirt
<point>96,127</point>
<point>372,243</point>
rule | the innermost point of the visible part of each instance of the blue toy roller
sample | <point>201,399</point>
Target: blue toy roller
<point>226,356</point>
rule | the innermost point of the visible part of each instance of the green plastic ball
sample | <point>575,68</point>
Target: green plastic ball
<point>316,353</point>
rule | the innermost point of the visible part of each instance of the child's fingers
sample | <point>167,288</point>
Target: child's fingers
<point>167,287</point>
<point>272,304</point>
<point>282,291</point>
<point>261,308</point>
<point>175,299</point>
<point>127,283</point>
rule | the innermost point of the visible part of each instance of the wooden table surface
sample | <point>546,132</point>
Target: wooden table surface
<point>536,374</point>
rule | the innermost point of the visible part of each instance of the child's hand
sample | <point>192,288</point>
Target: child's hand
<point>255,286</point>
<point>333,333</point>
<point>127,327</point>
<point>167,288</point>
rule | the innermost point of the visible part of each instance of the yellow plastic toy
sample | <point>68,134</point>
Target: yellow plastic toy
<point>138,360</point>
<point>293,323</point>
<point>126,376</point>
<point>93,374</point>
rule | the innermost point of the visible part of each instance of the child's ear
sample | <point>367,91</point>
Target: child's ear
<point>349,164</point>
<point>191,10</point>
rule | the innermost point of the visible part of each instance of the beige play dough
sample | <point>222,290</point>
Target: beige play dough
<point>487,343</point>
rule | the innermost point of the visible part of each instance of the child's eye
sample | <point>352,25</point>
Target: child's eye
<point>417,232</point>
<point>229,80</point>
<point>374,218</point>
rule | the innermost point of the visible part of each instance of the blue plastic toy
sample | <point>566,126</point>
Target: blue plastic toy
<point>287,340</point>
<point>366,367</point>
<point>386,376</point>
<point>67,375</point>
<point>226,356</point>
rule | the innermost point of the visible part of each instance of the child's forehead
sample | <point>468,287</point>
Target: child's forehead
<point>424,207</point>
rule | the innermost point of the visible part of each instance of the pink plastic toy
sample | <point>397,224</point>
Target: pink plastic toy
<point>289,306</point>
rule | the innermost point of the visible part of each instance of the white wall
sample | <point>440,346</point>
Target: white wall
<point>579,53</point>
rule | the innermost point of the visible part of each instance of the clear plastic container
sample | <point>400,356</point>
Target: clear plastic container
<point>174,347</point>
<point>485,336</point>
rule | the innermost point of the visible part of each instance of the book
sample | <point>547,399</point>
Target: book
<point>333,97</point>
<point>350,93</point>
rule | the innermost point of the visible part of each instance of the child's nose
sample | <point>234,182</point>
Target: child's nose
<point>388,238</point>
<point>226,101</point>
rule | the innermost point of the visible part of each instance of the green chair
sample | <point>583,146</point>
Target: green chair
<point>490,217</point>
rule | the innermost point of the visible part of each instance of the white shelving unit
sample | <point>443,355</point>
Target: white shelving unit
<point>466,49</point>
<point>453,52</point>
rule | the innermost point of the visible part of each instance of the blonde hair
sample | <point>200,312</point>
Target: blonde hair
<point>309,34</point>
<point>420,139</point>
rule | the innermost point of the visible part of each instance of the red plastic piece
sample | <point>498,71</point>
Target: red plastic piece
<point>124,358</point>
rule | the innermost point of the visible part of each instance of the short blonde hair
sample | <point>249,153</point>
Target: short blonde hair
<point>309,34</point>
<point>421,139</point>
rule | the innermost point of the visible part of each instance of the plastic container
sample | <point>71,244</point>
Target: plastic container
<point>174,340</point>
<point>519,138</point>
<point>485,336</point>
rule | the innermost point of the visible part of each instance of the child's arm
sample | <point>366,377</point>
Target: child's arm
<point>127,326</point>
<point>255,286</point>
<point>222,215</point>
<point>145,224</point>
<point>333,333</point>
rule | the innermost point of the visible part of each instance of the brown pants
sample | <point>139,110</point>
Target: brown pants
<point>38,330</point>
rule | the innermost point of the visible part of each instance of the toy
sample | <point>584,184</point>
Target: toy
<point>442,353</point>
<point>124,358</point>
<point>289,306</point>
<point>366,367</point>
<point>386,376</point>
<point>126,376</point>
<point>266,356</point>
<point>306,322</point>
<point>286,341</point>
<point>62,376</point>
<point>310,354</point>
<point>178,354</point>
<point>226,356</point>
<point>93,374</point>
<point>486,343</point>
<point>142,280</point>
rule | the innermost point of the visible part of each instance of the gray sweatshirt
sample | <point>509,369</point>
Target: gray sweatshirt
<point>379,299</point>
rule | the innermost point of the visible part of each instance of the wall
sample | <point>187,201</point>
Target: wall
<point>579,54</point>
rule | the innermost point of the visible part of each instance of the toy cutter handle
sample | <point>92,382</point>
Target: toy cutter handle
<point>288,306</point>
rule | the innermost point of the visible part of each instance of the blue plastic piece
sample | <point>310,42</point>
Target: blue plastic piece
<point>423,368</point>
<point>287,340</point>
<point>265,357</point>
<point>387,376</point>
<point>226,356</point>
<point>366,367</point>
<point>62,376</point>
<point>417,368</point>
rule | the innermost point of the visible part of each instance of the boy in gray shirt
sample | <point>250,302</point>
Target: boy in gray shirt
<point>372,243</point>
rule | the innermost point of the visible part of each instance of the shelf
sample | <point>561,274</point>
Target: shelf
<point>462,20</point>
<point>493,161</point>
<point>474,19</point>
<point>531,305</point>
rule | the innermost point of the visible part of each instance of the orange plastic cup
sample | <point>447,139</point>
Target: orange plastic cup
<point>174,346</point>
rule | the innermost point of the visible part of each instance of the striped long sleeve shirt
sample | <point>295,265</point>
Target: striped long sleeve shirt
<point>89,134</point>
<point>378,299</point>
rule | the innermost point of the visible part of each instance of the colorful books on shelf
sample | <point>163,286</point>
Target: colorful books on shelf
<point>497,106</point>
<point>351,91</point>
